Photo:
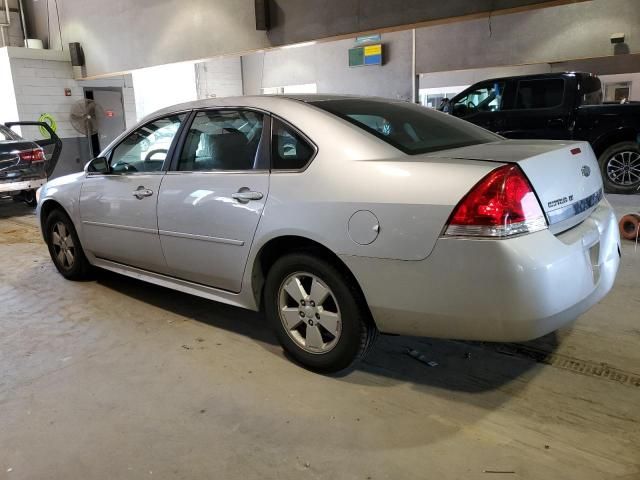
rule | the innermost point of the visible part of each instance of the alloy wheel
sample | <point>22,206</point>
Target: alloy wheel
<point>63,246</point>
<point>624,168</point>
<point>309,312</point>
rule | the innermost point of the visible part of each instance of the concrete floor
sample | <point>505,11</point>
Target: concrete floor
<point>118,379</point>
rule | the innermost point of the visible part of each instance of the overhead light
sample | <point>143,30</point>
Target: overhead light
<point>298,45</point>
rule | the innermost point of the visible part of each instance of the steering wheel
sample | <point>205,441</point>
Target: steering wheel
<point>472,105</point>
<point>123,167</point>
<point>153,152</point>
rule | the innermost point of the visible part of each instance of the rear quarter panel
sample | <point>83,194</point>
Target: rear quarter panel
<point>411,196</point>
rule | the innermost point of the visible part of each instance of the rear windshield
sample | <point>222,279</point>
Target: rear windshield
<point>410,128</point>
<point>8,134</point>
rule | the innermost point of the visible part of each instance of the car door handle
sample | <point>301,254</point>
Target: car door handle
<point>247,196</point>
<point>142,192</point>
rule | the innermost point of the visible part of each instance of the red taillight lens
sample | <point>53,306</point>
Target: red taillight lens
<point>32,156</point>
<point>502,204</point>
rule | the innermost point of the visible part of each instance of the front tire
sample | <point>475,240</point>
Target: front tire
<point>319,317</point>
<point>620,165</point>
<point>64,247</point>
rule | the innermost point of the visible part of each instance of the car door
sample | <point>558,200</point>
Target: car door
<point>540,110</point>
<point>118,209</point>
<point>211,201</point>
<point>482,105</point>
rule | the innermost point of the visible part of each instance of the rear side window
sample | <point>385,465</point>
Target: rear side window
<point>223,140</point>
<point>534,94</point>
<point>410,128</point>
<point>289,150</point>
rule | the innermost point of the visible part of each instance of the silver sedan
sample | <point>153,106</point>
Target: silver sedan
<point>342,217</point>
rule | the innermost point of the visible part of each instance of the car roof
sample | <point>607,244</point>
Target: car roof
<point>258,101</point>
<point>540,76</point>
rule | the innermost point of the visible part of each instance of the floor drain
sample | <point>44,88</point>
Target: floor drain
<point>575,365</point>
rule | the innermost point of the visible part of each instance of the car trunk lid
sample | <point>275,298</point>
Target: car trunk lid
<point>565,175</point>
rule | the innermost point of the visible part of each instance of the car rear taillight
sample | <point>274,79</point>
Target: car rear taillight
<point>32,156</point>
<point>501,205</point>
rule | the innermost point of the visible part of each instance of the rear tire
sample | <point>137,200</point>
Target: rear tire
<point>65,248</point>
<point>620,167</point>
<point>329,328</point>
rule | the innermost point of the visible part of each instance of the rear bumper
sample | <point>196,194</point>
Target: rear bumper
<point>20,185</point>
<point>495,290</point>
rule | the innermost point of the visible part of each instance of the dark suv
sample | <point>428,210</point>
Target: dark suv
<point>561,106</point>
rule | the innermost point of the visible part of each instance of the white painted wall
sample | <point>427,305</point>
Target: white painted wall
<point>634,78</point>
<point>33,83</point>
<point>555,34</point>
<point>124,35</point>
<point>219,77</point>
<point>163,86</point>
<point>8,106</point>
<point>326,64</point>
<point>40,88</point>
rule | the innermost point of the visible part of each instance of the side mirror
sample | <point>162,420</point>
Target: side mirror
<point>97,165</point>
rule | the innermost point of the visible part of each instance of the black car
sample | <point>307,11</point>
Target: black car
<point>562,106</point>
<point>24,166</point>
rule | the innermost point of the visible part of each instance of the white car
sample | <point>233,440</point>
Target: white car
<point>342,217</point>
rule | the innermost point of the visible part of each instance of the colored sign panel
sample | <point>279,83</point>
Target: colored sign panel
<point>356,57</point>
<point>369,55</point>
<point>373,55</point>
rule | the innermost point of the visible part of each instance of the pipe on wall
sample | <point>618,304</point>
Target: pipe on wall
<point>6,14</point>
<point>23,22</point>
<point>6,23</point>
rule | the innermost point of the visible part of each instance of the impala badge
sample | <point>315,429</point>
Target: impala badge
<point>586,171</point>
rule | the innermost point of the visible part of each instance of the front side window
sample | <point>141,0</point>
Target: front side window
<point>223,140</point>
<point>146,149</point>
<point>534,94</point>
<point>410,128</point>
<point>289,150</point>
<point>487,98</point>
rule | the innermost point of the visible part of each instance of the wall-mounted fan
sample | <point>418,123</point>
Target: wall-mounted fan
<point>84,116</point>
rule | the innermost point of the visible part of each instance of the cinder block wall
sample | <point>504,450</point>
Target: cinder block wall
<point>219,77</point>
<point>39,86</point>
<point>15,36</point>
